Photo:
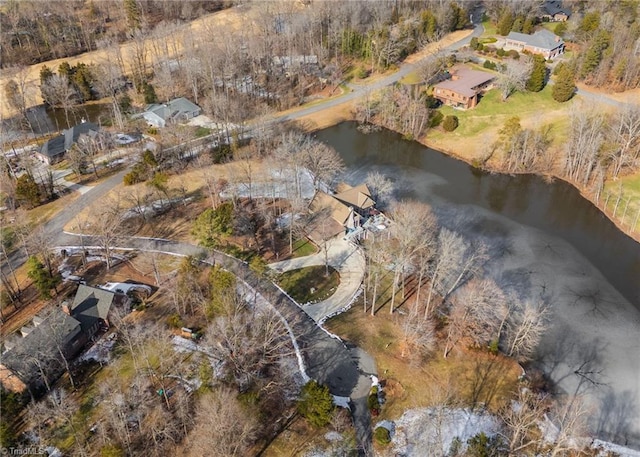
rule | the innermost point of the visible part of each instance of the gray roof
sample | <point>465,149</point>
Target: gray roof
<point>466,81</point>
<point>173,109</point>
<point>62,143</point>
<point>40,347</point>
<point>91,305</point>
<point>543,39</point>
<point>553,7</point>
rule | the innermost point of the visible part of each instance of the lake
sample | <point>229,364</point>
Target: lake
<point>547,243</point>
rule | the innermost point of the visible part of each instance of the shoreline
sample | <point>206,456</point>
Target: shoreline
<point>339,117</point>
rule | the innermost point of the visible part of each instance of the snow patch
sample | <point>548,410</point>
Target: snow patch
<point>431,431</point>
<point>342,402</point>
<point>333,436</point>
<point>605,447</point>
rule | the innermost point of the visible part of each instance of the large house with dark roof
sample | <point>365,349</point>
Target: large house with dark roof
<point>35,358</point>
<point>53,151</point>
<point>542,42</point>
<point>464,87</point>
<point>176,110</point>
<point>553,11</point>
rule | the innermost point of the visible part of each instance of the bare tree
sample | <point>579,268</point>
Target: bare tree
<point>582,149</point>
<point>58,92</point>
<point>514,76</point>
<point>223,427</point>
<point>418,333</point>
<point>624,135</point>
<point>322,161</point>
<point>476,313</point>
<point>522,417</point>
<point>569,416</point>
<point>106,225</point>
<point>455,262</point>
<point>525,328</point>
<point>413,229</point>
<point>380,186</point>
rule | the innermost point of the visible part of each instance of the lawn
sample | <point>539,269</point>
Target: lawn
<point>479,126</point>
<point>465,377</point>
<point>489,29</point>
<point>310,284</point>
<point>628,205</point>
<point>302,248</point>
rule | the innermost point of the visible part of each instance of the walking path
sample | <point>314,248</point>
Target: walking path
<point>348,260</point>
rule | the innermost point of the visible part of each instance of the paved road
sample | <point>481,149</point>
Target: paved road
<point>326,358</point>
<point>348,260</point>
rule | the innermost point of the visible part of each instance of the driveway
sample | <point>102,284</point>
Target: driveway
<point>350,263</point>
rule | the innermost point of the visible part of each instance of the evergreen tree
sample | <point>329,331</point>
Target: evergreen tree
<point>149,93</point>
<point>27,190</point>
<point>134,15</point>
<point>528,25</point>
<point>538,73</point>
<point>565,85</point>
<point>505,22</point>
<point>45,74</point>
<point>593,56</point>
<point>41,278</point>
<point>316,404</point>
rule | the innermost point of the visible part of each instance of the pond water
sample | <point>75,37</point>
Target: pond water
<point>546,242</point>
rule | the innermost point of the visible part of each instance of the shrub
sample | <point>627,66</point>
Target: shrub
<point>152,131</point>
<point>450,123</point>
<point>489,65</point>
<point>360,72</point>
<point>483,446</point>
<point>501,52</point>
<point>513,54</point>
<point>435,119</point>
<point>175,321</point>
<point>373,401</point>
<point>316,404</point>
<point>382,436</point>
<point>431,102</point>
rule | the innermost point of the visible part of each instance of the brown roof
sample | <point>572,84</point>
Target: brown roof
<point>359,197</point>
<point>466,81</point>
<point>338,211</point>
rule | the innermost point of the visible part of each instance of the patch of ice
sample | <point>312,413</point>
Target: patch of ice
<point>386,424</point>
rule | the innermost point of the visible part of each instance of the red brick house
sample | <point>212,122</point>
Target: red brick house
<point>462,90</point>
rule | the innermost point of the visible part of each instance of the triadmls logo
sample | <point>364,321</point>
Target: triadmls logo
<point>27,450</point>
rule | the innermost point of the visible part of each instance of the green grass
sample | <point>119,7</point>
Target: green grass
<point>489,29</point>
<point>411,78</point>
<point>310,284</point>
<point>629,189</point>
<point>302,248</point>
<point>202,131</point>
<point>492,111</point>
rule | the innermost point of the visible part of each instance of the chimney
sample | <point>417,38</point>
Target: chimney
<point>66,309</point>
<point>557,39</point>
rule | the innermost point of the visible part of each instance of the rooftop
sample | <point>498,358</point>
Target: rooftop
<point>465,80</point>
<point>543,39</point>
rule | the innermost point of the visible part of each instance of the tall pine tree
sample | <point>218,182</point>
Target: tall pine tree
<point>565,85</point>
<point>537,79</point>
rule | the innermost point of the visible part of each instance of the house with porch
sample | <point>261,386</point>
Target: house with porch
<point>464,87</point>
<point>542,42</point>
<point>340,213</point>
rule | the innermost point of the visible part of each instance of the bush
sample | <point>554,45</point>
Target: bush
<point>373,401</point>
<point>316,404</point>
<point>435,119</point>
<point>450,123</point>
<point>513,54</point>
<point>360,72</point>
<point>175,321</point>
<point>483,446</point>
<point>382,436</point>
<point>432,102</point>
<point>489,65</point>
<point>501,52</point>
